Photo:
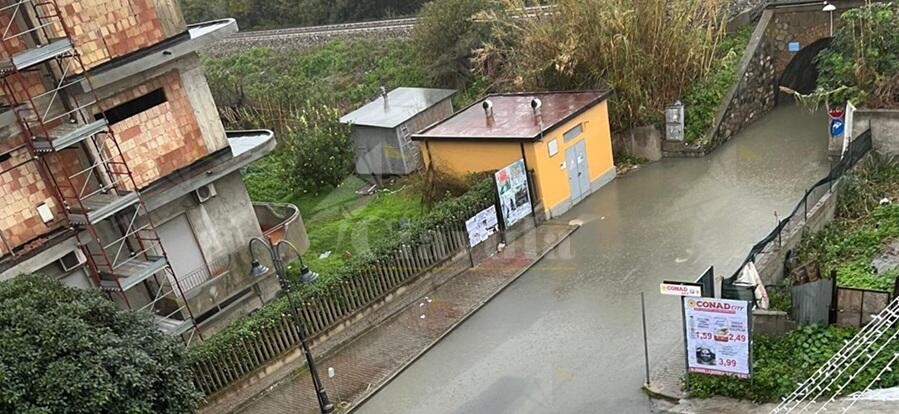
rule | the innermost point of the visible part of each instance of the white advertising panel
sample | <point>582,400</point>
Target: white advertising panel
<point>512,185</point>
<point>481,226</point>
<point>718,336</point>
<point>680,289</point>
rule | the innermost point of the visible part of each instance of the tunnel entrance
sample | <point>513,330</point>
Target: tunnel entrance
<point>801,74</point>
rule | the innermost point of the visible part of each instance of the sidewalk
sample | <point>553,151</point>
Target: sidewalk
<point>370,361</point>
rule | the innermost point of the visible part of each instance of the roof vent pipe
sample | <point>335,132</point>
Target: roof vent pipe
<point>488,108</point>
<point>536,104</point>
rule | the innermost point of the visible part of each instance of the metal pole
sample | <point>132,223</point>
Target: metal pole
<point>683,318</point>
<point>645,340</point>
<point>320,394</point>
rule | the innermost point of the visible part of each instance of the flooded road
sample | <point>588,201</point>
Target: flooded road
<point>567,336</point>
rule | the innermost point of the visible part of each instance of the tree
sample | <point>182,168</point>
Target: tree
<point>70,350</point>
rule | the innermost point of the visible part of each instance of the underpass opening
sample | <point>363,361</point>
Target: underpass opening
<point>801,74</point>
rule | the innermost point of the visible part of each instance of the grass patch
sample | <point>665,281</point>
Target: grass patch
<point>347,225</point>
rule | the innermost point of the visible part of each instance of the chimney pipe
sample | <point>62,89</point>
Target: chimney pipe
<point>488,108</point>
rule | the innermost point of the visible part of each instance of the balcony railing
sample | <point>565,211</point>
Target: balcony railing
<point>204,274</point>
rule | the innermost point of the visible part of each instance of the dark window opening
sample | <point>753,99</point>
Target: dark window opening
<point>133,107</point>
<point>5,157</point>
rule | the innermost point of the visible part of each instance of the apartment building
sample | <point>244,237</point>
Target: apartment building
<point>116,172</point>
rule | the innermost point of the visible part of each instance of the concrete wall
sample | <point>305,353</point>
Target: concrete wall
<point>550,172</point>
<point>770,262</point>
<point>456,158</point>
<point>644,142</point>
<point>884,125</point>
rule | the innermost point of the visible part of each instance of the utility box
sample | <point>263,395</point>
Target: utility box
<point>382,129</point>
<point>674,122</point>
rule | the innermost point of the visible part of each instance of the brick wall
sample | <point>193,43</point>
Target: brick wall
<point>162,139</point>
<point>22,189</point>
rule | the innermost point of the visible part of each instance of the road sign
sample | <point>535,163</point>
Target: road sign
<point>680,289</point>
<point>837,127</point>
<point>836,113</point>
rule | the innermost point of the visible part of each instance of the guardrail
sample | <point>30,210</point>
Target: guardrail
<point>198,277</point>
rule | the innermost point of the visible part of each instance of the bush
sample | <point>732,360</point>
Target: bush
<point>861,226</point>
<point>262,14</point>
<point>320,151</point>
<point>778,365</point>
<point>862,63</point>
<point>69,350</point>
<point>703,98</point>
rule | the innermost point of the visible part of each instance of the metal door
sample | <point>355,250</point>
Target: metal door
<point>183,252</point>
<point>583,173</point>
<point>571,165</point>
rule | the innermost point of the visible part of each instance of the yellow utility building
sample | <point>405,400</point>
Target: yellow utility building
<point>563,137</point>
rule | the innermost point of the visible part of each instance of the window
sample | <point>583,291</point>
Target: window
<point>574,132</point>
<point>133,107</point>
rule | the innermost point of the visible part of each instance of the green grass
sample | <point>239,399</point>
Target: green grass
<point>703,98</point>
<point>861,226</point>
<point>348,225</point>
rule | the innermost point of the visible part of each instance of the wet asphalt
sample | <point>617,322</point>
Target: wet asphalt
<point>567,336</point>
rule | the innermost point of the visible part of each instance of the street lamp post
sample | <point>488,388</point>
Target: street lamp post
<point>830,8</point>
<point>306,277</point>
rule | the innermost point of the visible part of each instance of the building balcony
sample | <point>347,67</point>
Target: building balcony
<point>281,221</point>
<point>34,56</point>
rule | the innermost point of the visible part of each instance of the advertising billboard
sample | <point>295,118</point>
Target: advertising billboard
<point>514,199</point>
<point>717,333</point>
<point>481,226</point>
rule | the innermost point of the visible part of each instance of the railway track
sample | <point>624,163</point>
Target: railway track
<point>389,25</point>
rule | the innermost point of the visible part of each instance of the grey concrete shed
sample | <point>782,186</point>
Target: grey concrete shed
<point>382,129</point>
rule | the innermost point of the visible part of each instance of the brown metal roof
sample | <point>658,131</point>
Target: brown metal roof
<point>513,119</point>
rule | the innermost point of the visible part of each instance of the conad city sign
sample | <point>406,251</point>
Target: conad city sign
<point>681,289</point>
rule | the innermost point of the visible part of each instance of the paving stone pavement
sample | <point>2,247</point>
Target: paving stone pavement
<point>368,362</point>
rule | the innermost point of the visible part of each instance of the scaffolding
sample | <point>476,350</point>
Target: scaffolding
<point>46,85</point>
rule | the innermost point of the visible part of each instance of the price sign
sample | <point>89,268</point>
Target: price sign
<point>718,336</point>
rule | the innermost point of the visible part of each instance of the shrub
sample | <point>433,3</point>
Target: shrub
<point>862,63</point>
<point>320,152</point>
<point>70,350</point>
<point>703,97</point>
<point>779,364</point>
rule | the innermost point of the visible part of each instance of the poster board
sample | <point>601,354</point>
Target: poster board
<point>512,188</point>
<point>717,336</point>
<point>481,226</point>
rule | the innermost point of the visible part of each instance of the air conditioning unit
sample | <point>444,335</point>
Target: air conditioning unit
<point>205,193</point>
<point>72,261</point>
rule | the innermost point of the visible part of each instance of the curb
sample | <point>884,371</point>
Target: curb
<point>461,320</point>
<point>660,395</point>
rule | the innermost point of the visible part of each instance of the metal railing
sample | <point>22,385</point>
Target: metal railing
<point>857,150</point>
<point>198,277</point>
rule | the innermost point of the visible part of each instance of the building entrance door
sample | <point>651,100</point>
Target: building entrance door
<point>578,177</point>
